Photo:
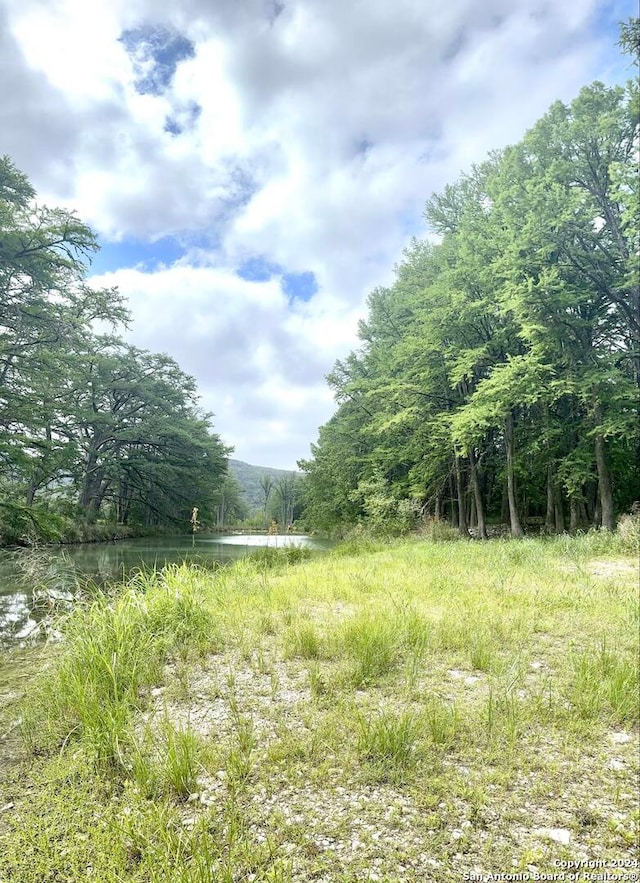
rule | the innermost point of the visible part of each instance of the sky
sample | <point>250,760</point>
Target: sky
<point>254,168</point>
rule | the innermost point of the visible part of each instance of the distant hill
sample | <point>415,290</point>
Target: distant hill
<point>248,477</point>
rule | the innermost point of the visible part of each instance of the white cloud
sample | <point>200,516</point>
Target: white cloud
<point>76,45</point>
<point>312,138</point>
<point>260,364</point>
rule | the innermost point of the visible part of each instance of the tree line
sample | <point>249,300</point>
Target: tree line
<point>91,427</point>
<point>497,378</point>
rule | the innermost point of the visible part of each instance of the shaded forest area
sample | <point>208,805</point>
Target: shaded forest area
<point>92,429</point>
<point>497,378</point>
<point>271,495</point>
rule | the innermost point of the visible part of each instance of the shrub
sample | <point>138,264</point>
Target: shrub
<point>629,532</point>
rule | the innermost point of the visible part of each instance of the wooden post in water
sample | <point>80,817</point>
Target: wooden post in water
<point>194,525</point>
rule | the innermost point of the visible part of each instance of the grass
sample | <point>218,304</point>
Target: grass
<point>114,648</point>
<point>603,682</point>
<point>402,711</point>
<point>303,640</point>
<point>388,741</point>
<point>167,760</point>
<point>369,641</point>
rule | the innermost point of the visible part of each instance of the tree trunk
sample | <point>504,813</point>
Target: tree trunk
<point>514,520</point>
<point>597,513</point>
<point>550,518</point>
<point>477,495</point>
<point>463,528</point>
<point>604,481</point>
<point>91,481</point>
<point>558,509</point>
<point>504,505</point>
<point>574,515</point>
<point>31,492</point>
<point>454,514</point>
<point>584,516</point>
<point>472,512</point>
<point>604,487</point>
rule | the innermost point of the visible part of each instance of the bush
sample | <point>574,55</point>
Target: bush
<point>629,531</point>
<point>272,557</point>
<point>440,531</point>
<point>387,515</point>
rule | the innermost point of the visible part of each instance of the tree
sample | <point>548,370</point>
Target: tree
<point>45,308</point>
<point>81,411</point>
<point>287,497</point>
<point>575,292</point>
<point>630,38</point>
<point>266,486</point>
<point>141,440</point>
<point>230,504</point>
<point>497,378</point>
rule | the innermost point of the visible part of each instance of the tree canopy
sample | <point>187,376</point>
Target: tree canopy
<point>87,421</point>
<point>497,378</point>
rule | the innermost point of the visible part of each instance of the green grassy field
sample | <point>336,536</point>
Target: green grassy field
<point>415,711</point>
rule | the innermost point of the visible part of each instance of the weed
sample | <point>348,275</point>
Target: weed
<point>482,652</point>
<point>442,722</point>
<point>262,662</point>
<point>629,533</point>
<point>604,682</point>
<point>239,757</point>
<point>371,643</point>
<point>270,558</point>
<point>389,742</point>
<point>415,630</point>
<point>413,668</point>
<point>166,759</point>
<point>302,640</point>
<point>182,759</point>
<point>318,684</point>
<point>114,648</point>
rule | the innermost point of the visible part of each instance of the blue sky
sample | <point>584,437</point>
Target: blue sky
<point>253,168</point>
<point>301,286</point>
<point>153,256</point>
<point>156,53</point>
<point>132,252</point>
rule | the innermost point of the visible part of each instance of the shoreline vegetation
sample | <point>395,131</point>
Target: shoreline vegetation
<point>392,710</point>
<point>59,532</point>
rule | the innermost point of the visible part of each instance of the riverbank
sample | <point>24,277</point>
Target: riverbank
<point>415,712</point>
<point>42,529</point>
<point>29,526</point>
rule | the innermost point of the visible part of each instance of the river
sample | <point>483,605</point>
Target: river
<point>35,581</point>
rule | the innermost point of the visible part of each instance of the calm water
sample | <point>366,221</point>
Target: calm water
<point>33,582</point>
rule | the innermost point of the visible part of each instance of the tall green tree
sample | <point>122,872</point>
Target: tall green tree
<point>84,411</point>
<point>140,438</point>
<point>497,378</point>
<point>45,309</point>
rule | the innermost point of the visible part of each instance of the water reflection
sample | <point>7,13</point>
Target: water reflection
<point>15,614</point>
<point>36,582</point>
<point>278,542</point>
